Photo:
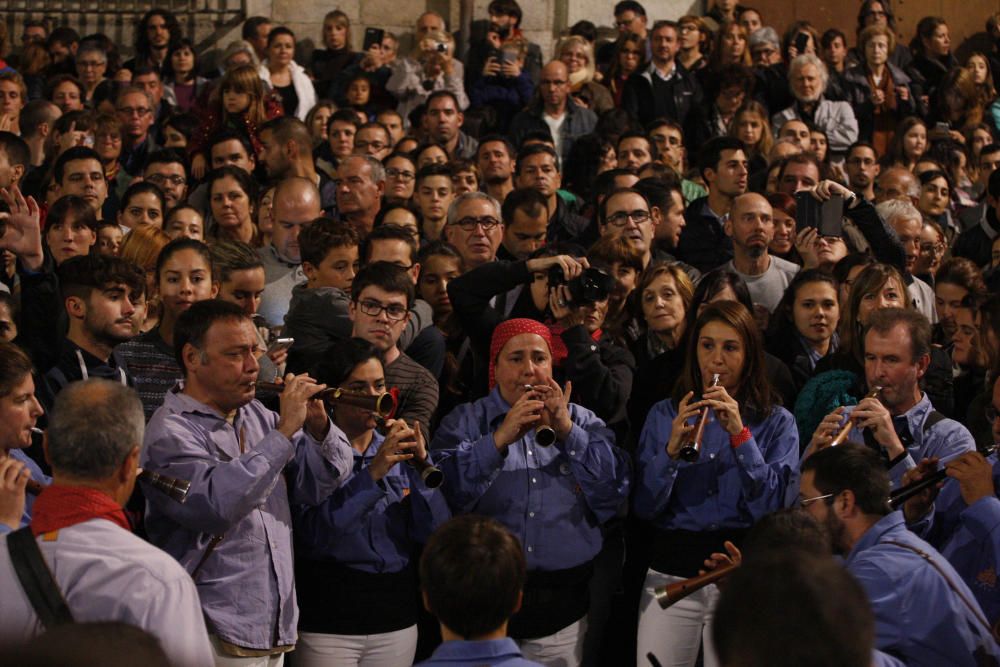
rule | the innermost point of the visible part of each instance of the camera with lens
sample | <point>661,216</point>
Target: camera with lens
<point>589,287</point>
<point>441,47</point>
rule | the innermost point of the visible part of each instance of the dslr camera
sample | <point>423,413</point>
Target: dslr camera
<point>591,286</point>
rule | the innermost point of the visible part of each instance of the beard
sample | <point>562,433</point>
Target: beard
<point>836,530</point>
<point>756,251</point>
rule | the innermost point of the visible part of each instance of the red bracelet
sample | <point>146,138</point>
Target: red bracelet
<point>741,437</point>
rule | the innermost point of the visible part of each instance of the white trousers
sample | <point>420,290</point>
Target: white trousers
<point>387,649</point>
<point>561,649</point>
<point>223,659</point>
<point>673,635</point>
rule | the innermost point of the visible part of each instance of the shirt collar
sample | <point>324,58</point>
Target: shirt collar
<point>891,522</point>
<point>915,416</point>
<point>477,650</point>
<point>495,406</point>
<point>654,71</point>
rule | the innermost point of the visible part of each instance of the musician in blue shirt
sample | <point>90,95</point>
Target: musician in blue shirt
<point>552,498</point>
<point>924,612</point>
<point>749,449</point>
<point>357,586</point>
<point>963,522</point>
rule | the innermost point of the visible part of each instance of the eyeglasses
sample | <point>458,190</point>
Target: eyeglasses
<point>137,111</point>
<point>621,218</point>
<point>932,248</point>
<point>392,172</point>
<point>374,145</point>
<point>393,311</point>
<point>162,179</point>
<point>469,224</point>
<point>806,502</point>
<point>87,64</point>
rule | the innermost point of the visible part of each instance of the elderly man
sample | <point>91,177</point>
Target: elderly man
<point>897,183</point>
<point>904,218</point>
<point>556,114</point>
<point>81,541</point>
<point>360,186</point>
<point>808,78</point>
<point>475,228</point>
<point>135,110</point>
<point>245,464</point>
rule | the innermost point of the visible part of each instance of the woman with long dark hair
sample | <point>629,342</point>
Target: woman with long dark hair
<point>748,452</point>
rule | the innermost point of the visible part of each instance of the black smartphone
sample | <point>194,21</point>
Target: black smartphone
<point>373,37</point>
<point>806,210</point>
<point>801,42</point>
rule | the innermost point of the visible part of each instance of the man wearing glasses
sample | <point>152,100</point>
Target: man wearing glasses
<point>924,613</point>
<point>166,170</point>
<point>625,214</point>
<point>474,227</point>
<point>381,297</point>
<point>134,108</point>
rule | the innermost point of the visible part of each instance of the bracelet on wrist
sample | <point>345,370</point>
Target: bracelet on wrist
<point>739,438</point>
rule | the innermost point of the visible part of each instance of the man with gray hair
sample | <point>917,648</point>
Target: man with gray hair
<point>904,219</point>
<point>897,183</point>
<point>765,47</point>
<point>475,228</point>
<point>80,537</point>
<point>360,186</point>
<point>808,79</point>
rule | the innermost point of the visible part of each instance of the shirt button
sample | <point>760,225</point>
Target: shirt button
<point>529,452</point>
<point>711,456</point>
<point>593,348</point>
<point>572,452</point>
<point>534,481</point>
<point>531,515</point>
<point>530,549</point>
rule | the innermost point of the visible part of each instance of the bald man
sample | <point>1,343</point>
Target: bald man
<point>554,113</point>
<point>296,204</point>
<point>897,183</point>
<point>751,226</point>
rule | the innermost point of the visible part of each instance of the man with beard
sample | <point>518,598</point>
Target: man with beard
<point>99,294</point>
<point>443,123</point>
<point>504,24</point>
<point>808,79</point>
<point>924,612</point>
<point>862,169</point>
<point>288,152</point>
<point>495,159</point>
<point>537,168</point>
<point>751,227</point>
<point>900,423</point>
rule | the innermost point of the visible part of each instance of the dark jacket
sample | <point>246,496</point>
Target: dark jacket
<point>579,121</point>
<point>928,72</point>
<point>566,226</point>
<point>975,242</point>
<point>860,96</point>
<point>703,243</point>
<point>685,96</point>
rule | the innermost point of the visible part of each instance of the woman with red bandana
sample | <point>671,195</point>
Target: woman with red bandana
<point>554,498</point>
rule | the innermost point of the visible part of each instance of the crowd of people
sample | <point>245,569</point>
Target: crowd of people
<point>383,357</point>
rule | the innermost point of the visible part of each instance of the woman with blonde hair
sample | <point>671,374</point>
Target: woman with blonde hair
<point>142,247</point>
<point>336,54</point>
<point>578,56</point>
<point>731,48</point>
<point>432,61</point>
<point>752,126</point>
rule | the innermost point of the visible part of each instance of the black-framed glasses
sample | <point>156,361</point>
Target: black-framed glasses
<point>374,145</point>
<point>469,224</point>
<point>393,311</point>
<point>401,174</point>
<point>621,218</point>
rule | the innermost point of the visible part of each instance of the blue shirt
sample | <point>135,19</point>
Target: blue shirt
<point>489,652</point>
<point>726,487</point>
<point>554,499</point>
<point>918,617</point>
<point>944,439</point>
<point>29,498</point>
<point>969,537</point>
<point>364,524</point>
<point>242,476</point>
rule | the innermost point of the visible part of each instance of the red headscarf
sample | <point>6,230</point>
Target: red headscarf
<point>507,330</point>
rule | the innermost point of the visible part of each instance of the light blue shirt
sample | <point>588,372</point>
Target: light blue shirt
<point>918,617</point>
<point>726,487</point>
<point>554,499</point>
<point>246,586</point>
<point>490,652</point>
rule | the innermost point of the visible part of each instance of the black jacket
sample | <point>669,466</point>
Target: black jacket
<point>685,97</point>
<point>703,244</point>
